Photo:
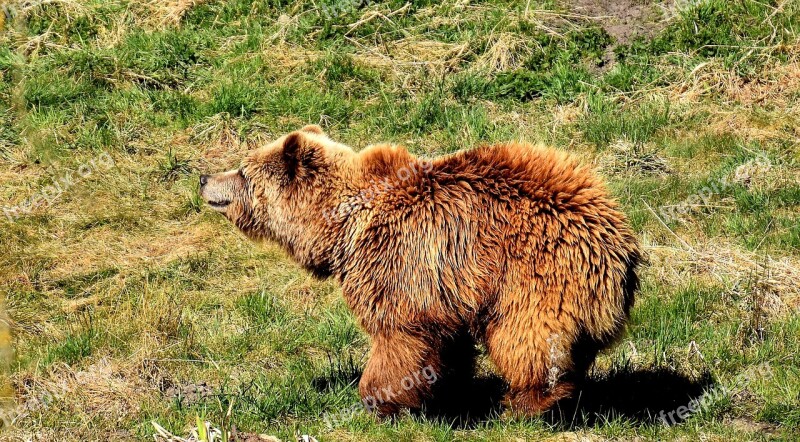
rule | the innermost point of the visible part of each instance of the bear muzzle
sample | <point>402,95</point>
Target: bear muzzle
<point>220,189</point>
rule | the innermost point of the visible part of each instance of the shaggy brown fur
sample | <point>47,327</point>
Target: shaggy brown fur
<point>511,245</point>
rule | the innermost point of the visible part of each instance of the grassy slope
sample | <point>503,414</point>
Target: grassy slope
<point>130,303</point>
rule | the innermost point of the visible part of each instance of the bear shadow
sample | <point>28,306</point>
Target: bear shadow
<point>639,396</point>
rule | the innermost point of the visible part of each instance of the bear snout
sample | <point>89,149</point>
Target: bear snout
<point>220,189</point>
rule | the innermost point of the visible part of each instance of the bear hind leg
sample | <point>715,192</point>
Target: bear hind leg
<point>536,399</point>
<point>537,366</point>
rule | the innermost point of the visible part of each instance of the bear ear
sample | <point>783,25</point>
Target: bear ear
<point>313,129</point>
<point>300,156</point>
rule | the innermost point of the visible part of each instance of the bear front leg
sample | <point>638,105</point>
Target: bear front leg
<point>400,374</point>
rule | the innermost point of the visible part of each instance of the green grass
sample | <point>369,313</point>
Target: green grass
<point>126,288</point>
<point>75,346</point>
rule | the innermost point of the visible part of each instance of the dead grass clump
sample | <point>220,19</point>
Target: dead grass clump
<point>627,157</point>
<point>124,251</point>
<point>69,8</point>
<point>286,24</point>
<point>401,56</point>
<point>775,279</point>
<point>740,123</point>
<point>375,15</point>
<point>775,86</point>
<point>742,106</point>
<point>169,12</point>
<point>762,175</point>
<point>504,51</point>
<point>217,131</point>
<point>222,143</point>
<point>22,12</point>
<point>287,56</point>
<point>568,114</point>
<point>102,389</point>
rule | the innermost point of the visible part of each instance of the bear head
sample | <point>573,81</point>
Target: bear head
<point>282,191</point>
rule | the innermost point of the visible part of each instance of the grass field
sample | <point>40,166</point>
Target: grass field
<point>127,302</point>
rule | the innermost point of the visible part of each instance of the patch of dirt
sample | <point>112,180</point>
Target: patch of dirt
<point>189,394</point>
<point>571,436</point>
<point>252,437</point>
<point>750,426</point>
<point>624,19</point>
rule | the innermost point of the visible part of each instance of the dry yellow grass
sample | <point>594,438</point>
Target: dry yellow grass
<point>733,268</point>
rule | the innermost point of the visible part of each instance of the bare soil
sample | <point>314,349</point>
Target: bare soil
<point>624,19</point>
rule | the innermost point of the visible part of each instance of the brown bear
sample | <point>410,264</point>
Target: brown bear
<point>513,246</point>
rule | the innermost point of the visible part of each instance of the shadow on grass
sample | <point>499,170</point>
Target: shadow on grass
<point>637,396</point>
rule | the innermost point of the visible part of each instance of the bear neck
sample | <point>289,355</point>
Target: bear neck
<point>370,193</point>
